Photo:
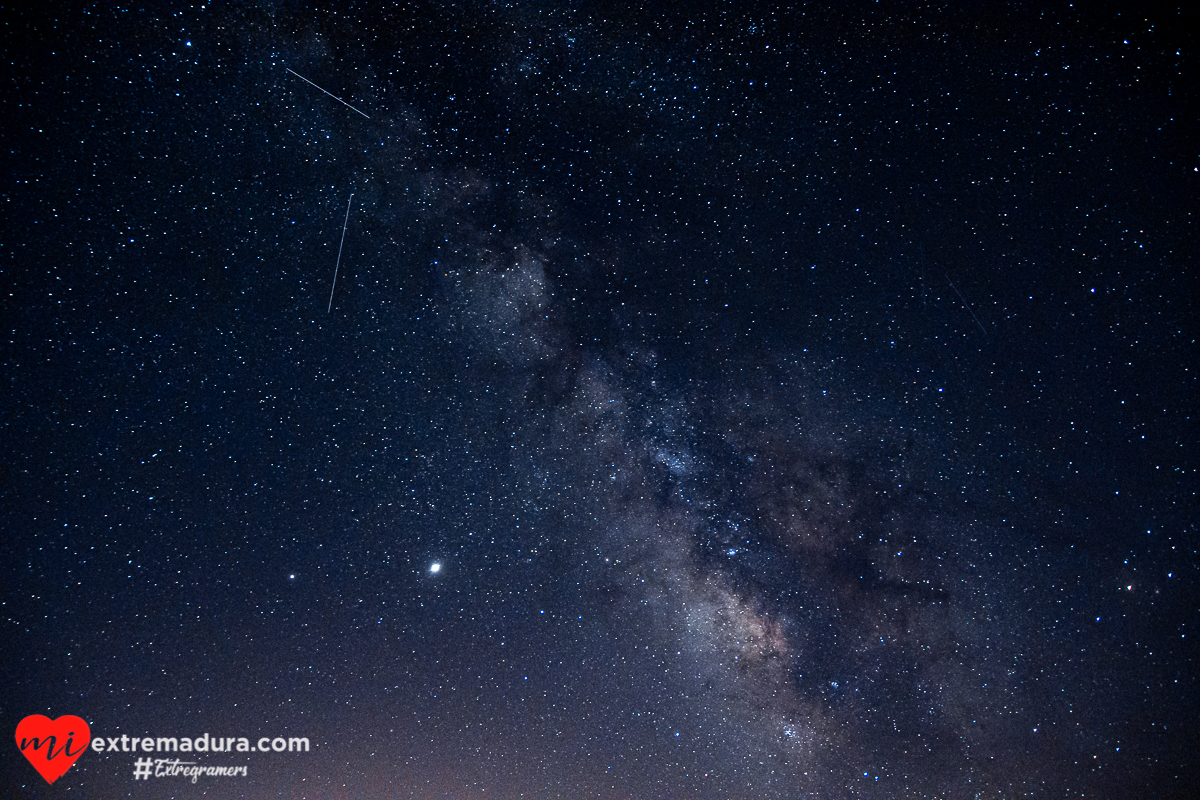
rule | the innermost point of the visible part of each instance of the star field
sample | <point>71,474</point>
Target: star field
<point>721,401</point>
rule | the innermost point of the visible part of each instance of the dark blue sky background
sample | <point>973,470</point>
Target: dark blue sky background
<point>800,402</point>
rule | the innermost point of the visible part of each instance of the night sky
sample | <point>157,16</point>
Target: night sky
<point>796,403</point>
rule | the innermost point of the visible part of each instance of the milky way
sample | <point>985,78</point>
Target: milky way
<point>795,575</point>
<point>623,403</point>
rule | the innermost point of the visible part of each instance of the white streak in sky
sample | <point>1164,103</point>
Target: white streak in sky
<point>334,96</point>
<point>966,305</point>
<point>339,258</point>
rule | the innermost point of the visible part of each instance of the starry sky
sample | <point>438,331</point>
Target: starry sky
<point>796,402</point>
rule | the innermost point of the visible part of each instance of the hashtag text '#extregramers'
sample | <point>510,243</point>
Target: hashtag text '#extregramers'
<point>168,768</point>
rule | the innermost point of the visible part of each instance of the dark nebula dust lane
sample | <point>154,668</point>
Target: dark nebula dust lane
<point>525,400</point>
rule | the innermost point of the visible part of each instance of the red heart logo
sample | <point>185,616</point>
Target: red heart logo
<point>52,745</point>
